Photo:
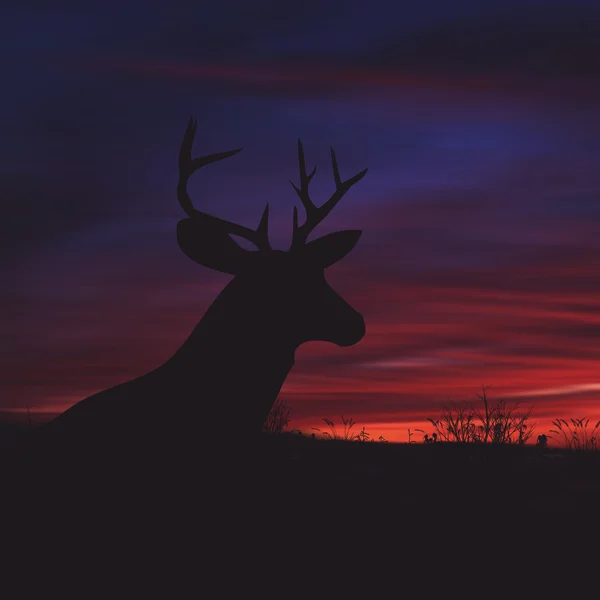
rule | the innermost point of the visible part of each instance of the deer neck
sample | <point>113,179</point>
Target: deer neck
<point>238,351</point>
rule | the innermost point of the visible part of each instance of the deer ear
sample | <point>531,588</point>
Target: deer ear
<point>330,248</point>
<point>215,251</point>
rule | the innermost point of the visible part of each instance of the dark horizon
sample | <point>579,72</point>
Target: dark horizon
<point>479,258</point>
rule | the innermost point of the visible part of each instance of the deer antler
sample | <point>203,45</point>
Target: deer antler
<point>187,166</point>
<point>316,214</point>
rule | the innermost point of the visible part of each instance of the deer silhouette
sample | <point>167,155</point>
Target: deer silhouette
<point>228,373</point>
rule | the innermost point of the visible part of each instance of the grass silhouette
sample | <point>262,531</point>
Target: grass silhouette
<point>575,435</point>
<point>278,418</point>
<point>346,434</point>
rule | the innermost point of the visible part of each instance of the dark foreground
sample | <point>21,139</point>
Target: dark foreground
<point>291,502</point>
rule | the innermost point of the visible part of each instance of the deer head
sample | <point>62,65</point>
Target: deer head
<point>290,286</point>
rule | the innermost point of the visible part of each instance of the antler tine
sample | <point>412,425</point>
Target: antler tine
<point>187,166</point>
<point>341,187</point>
<point>314,214</point>
<point>302,192</point>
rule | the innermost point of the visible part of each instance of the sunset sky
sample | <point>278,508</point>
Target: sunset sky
<point>479,263</point>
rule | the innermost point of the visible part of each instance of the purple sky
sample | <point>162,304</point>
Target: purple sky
<point>480,256</point>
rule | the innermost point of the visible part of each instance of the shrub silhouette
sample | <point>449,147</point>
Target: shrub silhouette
<point>496,424</point>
